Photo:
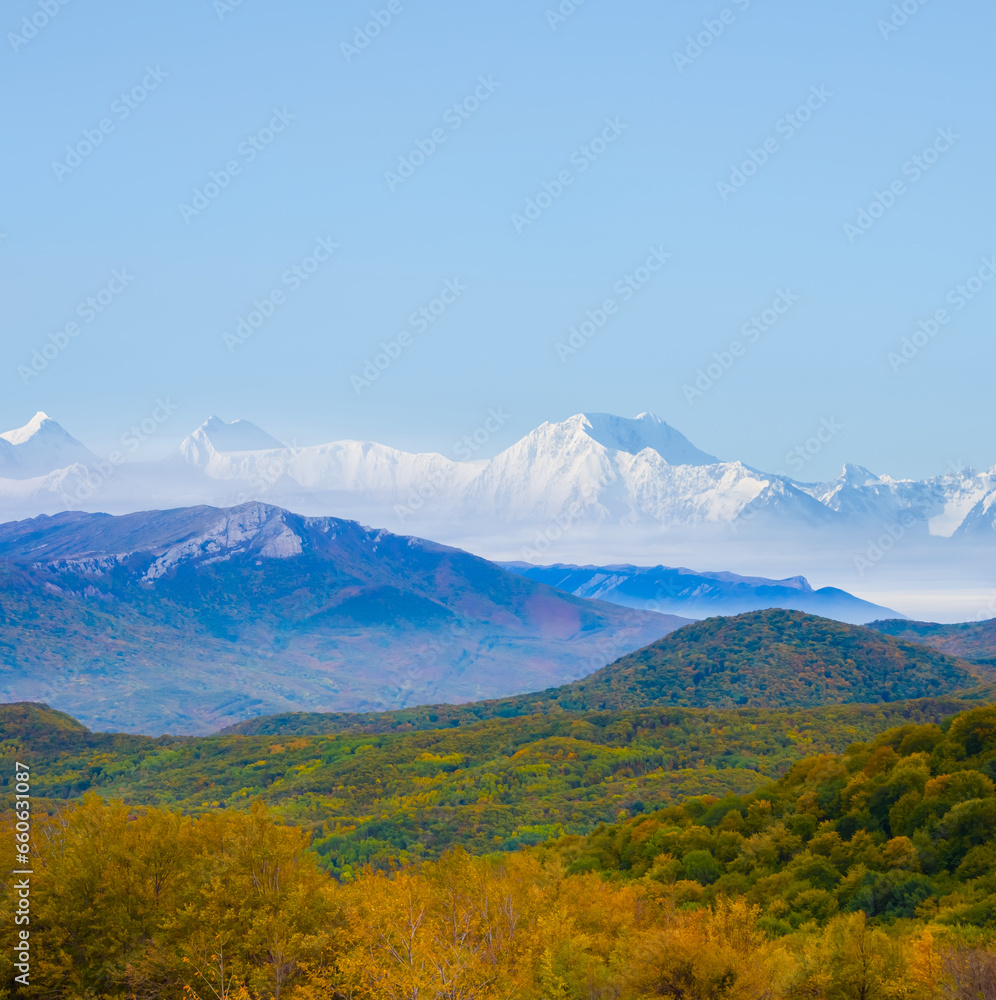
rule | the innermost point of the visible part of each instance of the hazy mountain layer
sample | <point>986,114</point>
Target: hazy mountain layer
<point>185,620</point>
<point>699,595</point>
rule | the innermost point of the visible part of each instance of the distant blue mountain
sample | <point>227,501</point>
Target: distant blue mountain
<point>189,619</point>
<point>685,592</point>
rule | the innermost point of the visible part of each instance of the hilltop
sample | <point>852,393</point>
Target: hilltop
<point>771,659</point>
<point>974,641</point>
<point>761,659</point>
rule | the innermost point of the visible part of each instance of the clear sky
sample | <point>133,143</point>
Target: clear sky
<point>524,164</point>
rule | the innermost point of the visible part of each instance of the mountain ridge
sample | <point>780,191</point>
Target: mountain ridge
<point>590,470</point>
<point>771,660</point>
<point>190,618</point>
<point>699,594</point>
<point>974,641</point>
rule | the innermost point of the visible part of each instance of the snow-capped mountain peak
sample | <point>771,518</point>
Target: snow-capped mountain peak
<point>29,430</point>
<point>216,436</point>
<point>645,431</point>
<point>856,475</point>
<point>594,479</point>
<point>39,447</point>
<point>236,435</point>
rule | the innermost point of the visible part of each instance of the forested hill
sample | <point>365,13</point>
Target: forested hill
<point>867,874</point>
<point>762,659</point>
<point>971,640</point>
<point>33,730</point>
<point>772,659</point>
<point>899,827</point>
<point>381,798</point>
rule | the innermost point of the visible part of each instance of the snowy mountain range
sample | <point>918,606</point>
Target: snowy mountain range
<point>593,474</point>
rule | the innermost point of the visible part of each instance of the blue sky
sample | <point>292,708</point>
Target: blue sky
<point>620,147</point>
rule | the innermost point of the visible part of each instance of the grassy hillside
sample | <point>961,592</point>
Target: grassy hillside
<point>41,728</point>
<point>762,659</point>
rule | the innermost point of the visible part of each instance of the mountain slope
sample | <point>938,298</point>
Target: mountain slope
<point>774,659</point>
<point>969,640</point>
<point>698,595</point>
<point>495,784</point>
<point>645,431</point>
<point>771,659</point>
<point>189,619</point>
<point>591,489</point>
<point>667,860</point>
<point>898,827</point>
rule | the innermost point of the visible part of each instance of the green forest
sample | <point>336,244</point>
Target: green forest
<point>498,784</point>
<point>867,873</point>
